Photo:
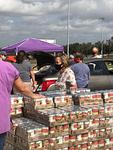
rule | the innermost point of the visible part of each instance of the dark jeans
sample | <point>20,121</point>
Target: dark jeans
<point>2,140</point>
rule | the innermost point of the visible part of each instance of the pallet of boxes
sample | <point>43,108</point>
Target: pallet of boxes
<point>82,121</point>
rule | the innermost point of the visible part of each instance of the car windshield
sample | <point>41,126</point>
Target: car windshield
<point>109,65</point>
<point>96,68</point>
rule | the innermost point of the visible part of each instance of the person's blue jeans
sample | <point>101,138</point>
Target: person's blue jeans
<point>2,140</point>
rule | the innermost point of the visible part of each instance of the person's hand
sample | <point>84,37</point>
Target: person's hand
<point>36,96</point>
<point>34,86</point>
<point>34,83</point>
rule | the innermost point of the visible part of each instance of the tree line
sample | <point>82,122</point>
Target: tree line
<point>86,48</point>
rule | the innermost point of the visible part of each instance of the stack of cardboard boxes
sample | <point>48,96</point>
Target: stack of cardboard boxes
<point>59,124</point>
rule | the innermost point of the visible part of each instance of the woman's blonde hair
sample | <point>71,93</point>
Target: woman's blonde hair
<point>64,59</point>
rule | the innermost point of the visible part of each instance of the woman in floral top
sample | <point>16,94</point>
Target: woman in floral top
<point>65,72</point>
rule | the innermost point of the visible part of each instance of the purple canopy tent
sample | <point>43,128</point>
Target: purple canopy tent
<point>32,44</point>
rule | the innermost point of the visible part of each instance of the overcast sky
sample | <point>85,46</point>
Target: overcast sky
<point>20,19</point>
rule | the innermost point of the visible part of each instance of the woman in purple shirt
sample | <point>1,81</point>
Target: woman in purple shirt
<point>9,77</point>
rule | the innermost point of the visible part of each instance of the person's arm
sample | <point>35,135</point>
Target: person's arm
<point>33,77</point>
<point>24,89</point>
<point>88,73</point>
<point>72,79</point>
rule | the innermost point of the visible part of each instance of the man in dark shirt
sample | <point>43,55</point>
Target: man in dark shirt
<point>81,71</point>
<point>24,67</point>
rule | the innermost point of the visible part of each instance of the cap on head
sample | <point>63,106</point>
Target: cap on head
<point>78,57</point>
<point>71,57</point>
<point>11,58</point>
<point>3,53</point>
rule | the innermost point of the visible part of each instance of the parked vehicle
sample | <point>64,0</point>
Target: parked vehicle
<point>101,72</point>
<point>46,75</point>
